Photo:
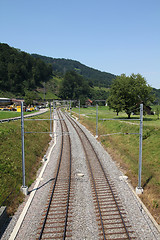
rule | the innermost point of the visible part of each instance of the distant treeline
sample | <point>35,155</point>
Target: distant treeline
<point>94,77</point>
<point>19,71</point>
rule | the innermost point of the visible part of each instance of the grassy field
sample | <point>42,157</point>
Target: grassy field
<point>12,114</point>
<point>11,157</point>
<point>102,88</point>
<point>124,149</point>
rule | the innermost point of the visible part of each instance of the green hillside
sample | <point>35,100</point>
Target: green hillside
<point>20,72</point>
<point>95,77</point>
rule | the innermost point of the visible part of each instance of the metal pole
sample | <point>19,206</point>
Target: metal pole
<point>50,119</point>
<point>79,109</point>
<point>70,106</point>
<point>53,117</point>
<point>44,91</point>
<point>140,145</point>
<point>96,120</point>
<point>23,157</point>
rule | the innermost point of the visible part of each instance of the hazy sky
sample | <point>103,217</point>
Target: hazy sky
<point>116,36</point>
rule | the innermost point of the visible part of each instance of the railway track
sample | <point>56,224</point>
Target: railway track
<point>111,216</point>
<point>55,223</point>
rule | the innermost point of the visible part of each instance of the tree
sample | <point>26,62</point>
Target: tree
<point>127,93</point>
<point>30,97</point>
<point>74,86</point>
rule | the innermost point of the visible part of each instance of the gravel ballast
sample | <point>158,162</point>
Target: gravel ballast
<point>84,224</point>
<point>142,224</point>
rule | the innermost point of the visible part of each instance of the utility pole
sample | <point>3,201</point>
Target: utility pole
<point>50,120</point>
<point>53,116</point>
<point>23,188</point>
<point>70,107</point>
<point>44,91</point>
<point>139,189</point>
<point>79,109</point>
<point>96,120</point>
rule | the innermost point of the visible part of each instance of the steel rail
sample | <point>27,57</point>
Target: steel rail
<point>105,178</point>
<point>101,220</point>
<point>99,209</point>
<point>69,187</point>
<point>53,190</point>
<point>45,219</point>
<point>44,119</point>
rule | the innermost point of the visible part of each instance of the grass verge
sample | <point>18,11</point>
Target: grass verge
<point>11,157</point>
<point>12,114</point>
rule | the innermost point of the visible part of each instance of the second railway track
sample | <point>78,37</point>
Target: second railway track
<point>111,215</point>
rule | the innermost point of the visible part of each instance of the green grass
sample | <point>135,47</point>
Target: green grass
<point>48,95</point>
<point>125,148</point>
<point>12,114</point>
<point>11,157</point>
<point>102,88</point>
<point>51,89</point>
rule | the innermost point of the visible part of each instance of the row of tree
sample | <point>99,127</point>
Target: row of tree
<point>19,71</point>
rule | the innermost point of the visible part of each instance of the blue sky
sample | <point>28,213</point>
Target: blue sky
<point>116,36</point>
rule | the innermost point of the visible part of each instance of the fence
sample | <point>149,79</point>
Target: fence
<point>139,188</point>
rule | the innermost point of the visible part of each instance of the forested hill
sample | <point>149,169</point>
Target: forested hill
<point>61,66</point>
<point>20,72</point>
